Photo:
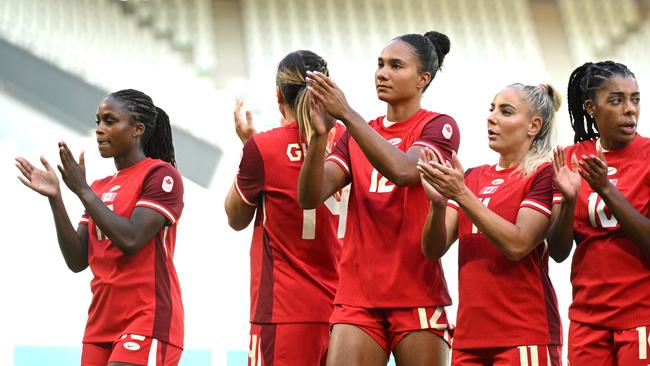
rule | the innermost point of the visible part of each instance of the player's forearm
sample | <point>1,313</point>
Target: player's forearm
<point>506,236</point>
<point>560,234</point>
<point>434,233</point>
<point>239,213</point>
<point>122,232</point>
<point>635,225</point>
<point>311,178</point>
<point>73,248</point>
<point>391,162</point>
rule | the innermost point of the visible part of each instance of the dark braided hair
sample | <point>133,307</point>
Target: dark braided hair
<point>584,83</point>
<point>157,138</point>
<point>430,49</point>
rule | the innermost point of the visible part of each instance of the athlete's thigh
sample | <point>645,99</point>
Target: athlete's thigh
<point>133,349</point>
<point>633,346</point>
<point>352,346</point>
<point>590,346</point>
<point>422,347</point>
<point>95,354</point>
<point>532,355</point>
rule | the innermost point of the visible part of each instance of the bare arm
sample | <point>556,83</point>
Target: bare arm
<point>635,225</point>
<point>397,166</point>
<point>127,234</point>
<point>73,244</point>
<point>440,230</point>
<point>516,240</point>
<point>568,182</point>
<point>239,212</point>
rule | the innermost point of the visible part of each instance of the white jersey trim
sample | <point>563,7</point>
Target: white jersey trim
<point>241,195</point>
<point>340,162</point>
<point>433,147</point>
<point>158,208</point>
<point>536,206</point>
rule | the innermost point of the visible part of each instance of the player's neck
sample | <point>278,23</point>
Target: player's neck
<point>123,162</point>
<point>402,111</point>
<point>511,159</point>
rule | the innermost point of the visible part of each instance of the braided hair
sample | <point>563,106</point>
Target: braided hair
<point>430,48</point>
<point>584,83</point>
<point>290,78</point>
<point>157,138</point>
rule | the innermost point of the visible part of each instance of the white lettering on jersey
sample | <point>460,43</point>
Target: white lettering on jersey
<point>596,207</point>
<point>294,151</point>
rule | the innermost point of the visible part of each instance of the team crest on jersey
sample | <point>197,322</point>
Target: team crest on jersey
<point>498,181</point>
<point>488,190</point>
<point>447,131</point>
<point>395,141</point>
<point>168,184</point>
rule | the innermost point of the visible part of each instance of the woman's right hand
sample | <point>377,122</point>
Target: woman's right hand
<point>243,127</point>
<point>568,181</point>
<point>44,182</point>
<point>321,121</point>
<point>425,169</point>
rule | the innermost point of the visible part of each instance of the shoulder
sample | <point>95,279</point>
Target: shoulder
<point>477,170</point>
<point>162,170</point>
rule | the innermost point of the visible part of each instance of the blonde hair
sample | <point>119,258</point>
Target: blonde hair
<point>290,78</point>
<point>544,101</point>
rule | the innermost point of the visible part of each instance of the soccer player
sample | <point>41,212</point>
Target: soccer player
<point>602,204</point>
<point>127,234</point>
<point>390,297</point>
<point>294,252</point>
<point>507,309</point>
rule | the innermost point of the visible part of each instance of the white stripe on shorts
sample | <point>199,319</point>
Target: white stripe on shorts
<point>153,352</point>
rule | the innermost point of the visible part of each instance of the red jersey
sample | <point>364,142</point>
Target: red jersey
<point>382,265</point>
<point>294,252</point>
<point>512,301</point>
<point>609,273</point>
<point>136,293</point>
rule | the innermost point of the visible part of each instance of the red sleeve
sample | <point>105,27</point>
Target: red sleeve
<point>162,191</point>
<point>441,135</point>
<point>250,178</point>
<point>341,153</point>
<point>540,196</point>
<point>84,219</point>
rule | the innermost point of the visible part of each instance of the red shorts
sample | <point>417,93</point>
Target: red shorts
<point>389,325</point>
<point>589,345</point>
<point>522,356</point>
<point>131,348</point>
<point>288,344</point>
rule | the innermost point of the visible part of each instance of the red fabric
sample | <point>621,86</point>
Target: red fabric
<point>389,326</point>
<point>133,349</point>
<point>533,355</point>
<point>609,273</point>
<point>138,293</point>
<point>382,265</point>
<point>515,301</point>
<point>288,344</point>
<point>590,345</point>
<point>294,252</point>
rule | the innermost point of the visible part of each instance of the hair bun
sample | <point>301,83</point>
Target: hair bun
<point>553,94</point>
<point>441,43</point>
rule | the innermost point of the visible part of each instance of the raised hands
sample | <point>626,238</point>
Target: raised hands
<point>425,168</point>
<point>594,170</point>
<point>566,179</point>
<point>321,121</point>
<point>243,127</point>
<point>73,173</point>
<point>44,182</point>
<point>447,179</point>
<point>328,94</point>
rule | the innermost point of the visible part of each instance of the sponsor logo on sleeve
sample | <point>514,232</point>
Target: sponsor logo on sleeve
<point>168,184</point>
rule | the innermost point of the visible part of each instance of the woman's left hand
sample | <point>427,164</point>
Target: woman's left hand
<point>448,179</point>
<point>594,170</point>
<point>73,173</point>
<point>328,95</point>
